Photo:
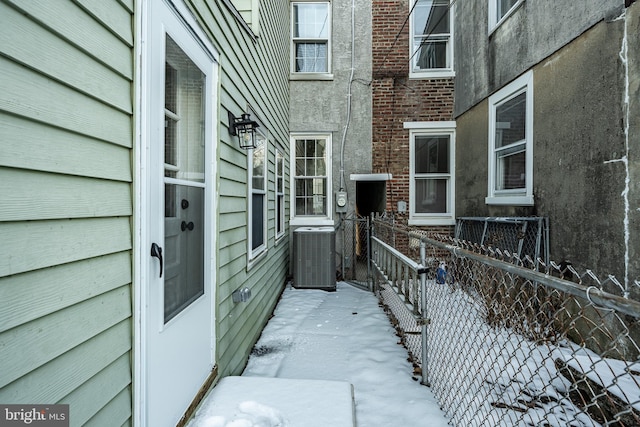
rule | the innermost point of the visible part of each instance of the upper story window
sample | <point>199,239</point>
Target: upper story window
<point>431,39</point>
<point>311,156</point>
<point>511,144</point>
<point>258,197</point>
<point>310,38</point>
<point>247,12</point>
<point>432,164</point>
<point>499,10</point>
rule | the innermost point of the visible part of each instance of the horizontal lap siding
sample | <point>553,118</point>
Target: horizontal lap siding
<point>66,72</point>
<point>253,72</point>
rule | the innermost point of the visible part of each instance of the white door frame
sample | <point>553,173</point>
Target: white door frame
<point>142,196</point>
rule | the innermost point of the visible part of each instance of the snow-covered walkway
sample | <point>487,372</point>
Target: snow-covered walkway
<point>337,336</point>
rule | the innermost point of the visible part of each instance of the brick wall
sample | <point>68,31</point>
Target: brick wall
<point>398,99</point>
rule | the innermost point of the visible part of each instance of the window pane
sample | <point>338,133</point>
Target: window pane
<point>311,180</point>
<point>300,147</point>
<point>504,6</point>
<point>258,169</point>
<point>279,214</point>
<point>431,195</point>
<point>311,196</point>
<point>257,221</point>
<point>311,57</point>
<point>184,115</point>
<point>184,256</point>
<point>431,54</point>
<point>310,20</point>
<point>432,154</point>
<point>511,121</point>
<point>431,17</point>
<point>280,174</point>
<point>511,168</point>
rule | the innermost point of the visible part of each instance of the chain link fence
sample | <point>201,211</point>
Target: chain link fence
<point>354,256</point>
<point>505,341</point>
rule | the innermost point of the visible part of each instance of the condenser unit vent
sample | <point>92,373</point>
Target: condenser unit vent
<point>314,263</point>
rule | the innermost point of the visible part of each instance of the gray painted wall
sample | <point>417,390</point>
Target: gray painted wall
<point>321,106</point>
<point>486,62</point>
<point>580,119</point>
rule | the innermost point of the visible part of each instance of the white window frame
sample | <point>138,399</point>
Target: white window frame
<point>494,20</point>
<point>315,220</point>
<point>513,197</point>
<point>263,144</point>
<point>280,214</point>
<point>433,72</point>
<point>302,75</point>
<point>447,128</point>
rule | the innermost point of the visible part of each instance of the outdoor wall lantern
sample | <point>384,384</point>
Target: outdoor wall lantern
<point>245,129</point>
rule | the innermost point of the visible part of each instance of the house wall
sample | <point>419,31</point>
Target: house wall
<point>485,61</point>
<point>580,142</point>
<point>321,105</point>
<point>254,75</point>
<point>66,73</point>
<point>398,99</point>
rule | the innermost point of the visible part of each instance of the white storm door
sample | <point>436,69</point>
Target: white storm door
<point>179,312</point>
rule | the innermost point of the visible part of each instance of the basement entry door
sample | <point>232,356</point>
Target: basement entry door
<point>179,318</point>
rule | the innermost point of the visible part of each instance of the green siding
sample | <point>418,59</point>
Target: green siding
<point>253,72</point>
<point>66,133</point>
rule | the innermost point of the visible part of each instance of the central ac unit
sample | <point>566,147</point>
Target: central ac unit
<point>314,261</point>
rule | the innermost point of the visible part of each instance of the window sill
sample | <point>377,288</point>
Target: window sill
<point>256,259</point>
<point>311,76</point>
<point>510,200</point>
<point>432,221</point>
<point>438,74</point>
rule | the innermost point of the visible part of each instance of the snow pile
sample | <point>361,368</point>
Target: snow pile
<point>276,402</point>
<point>249,414</point>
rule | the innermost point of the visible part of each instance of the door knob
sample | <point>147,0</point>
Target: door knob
<point>185,226</point>
<point>156,252</point>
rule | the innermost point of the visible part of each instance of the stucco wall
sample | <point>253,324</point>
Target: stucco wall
<point>633,142</point>
<point>579,138</point>
<point>487,61</point>
<point>579,150</point>
<point>321,106</point>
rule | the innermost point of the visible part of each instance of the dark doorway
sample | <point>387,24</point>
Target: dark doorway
<point>370,197</point>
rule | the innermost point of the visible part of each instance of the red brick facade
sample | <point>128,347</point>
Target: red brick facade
<point>398,99</point>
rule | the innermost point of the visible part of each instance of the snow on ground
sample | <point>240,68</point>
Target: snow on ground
<point>339,336</point>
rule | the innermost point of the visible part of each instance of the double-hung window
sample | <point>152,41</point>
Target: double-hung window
<point>432,163</point>
<point>431,39</point>
<point>311,156</point>
<point>499,10</point>
<point>280,206</point>
<point>258,197</point>
<point>511,144</point>
<point>310,38</point>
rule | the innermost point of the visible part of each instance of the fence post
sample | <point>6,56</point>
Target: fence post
<point>424,319</point>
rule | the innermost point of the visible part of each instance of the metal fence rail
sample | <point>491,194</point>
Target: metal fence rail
<point>502,344</point>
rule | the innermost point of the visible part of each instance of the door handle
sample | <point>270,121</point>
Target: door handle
<point>185,226</point>
<point>156,252</point>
